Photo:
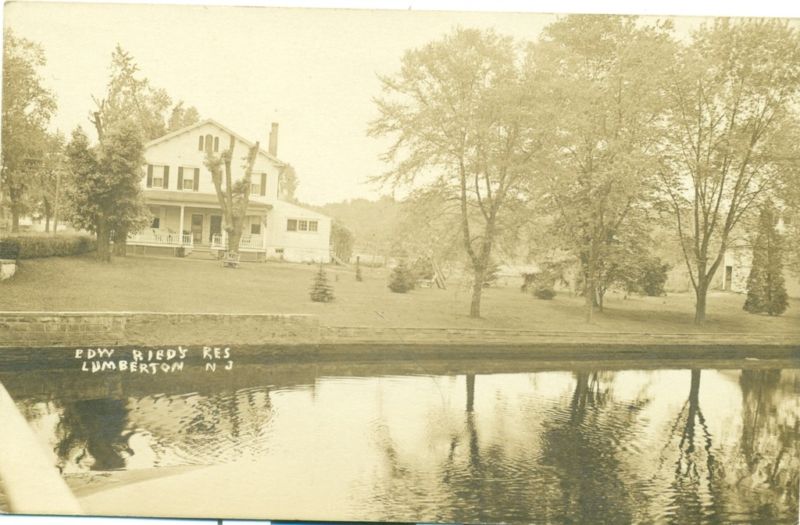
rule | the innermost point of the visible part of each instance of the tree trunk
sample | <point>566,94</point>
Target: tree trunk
<point>14,220</point>
<point>48,213</point>
<point>470,392</point>
<point>120,242</point>
<point>477,290</point>
<point>700,306</point>
<point>234,237</point>
<point>590,292</point>
<point>601,293</point>
<point>103,238</point>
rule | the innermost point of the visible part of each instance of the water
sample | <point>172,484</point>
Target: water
<point>520,442</point>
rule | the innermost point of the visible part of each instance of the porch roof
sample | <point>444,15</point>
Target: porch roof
<point>191,198</point>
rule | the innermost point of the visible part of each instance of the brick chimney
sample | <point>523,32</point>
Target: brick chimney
<point>273,140</point>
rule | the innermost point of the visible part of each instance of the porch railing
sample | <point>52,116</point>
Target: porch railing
<point>155,237</point>
<point>248,242</point>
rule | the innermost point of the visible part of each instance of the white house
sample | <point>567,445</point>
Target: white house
<point>185,212</point>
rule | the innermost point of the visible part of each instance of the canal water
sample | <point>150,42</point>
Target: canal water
<point>522,442</point>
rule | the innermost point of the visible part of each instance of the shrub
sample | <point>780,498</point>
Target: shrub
<point>321,291</point>
<point>544,293</point>
<point>402,279</point>
<point>653,277</point>
<point>35,246</point>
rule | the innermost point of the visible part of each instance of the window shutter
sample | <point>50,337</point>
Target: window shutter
<point>216,144</point>
<point>166,177</point>
<point>196,179</point>
<point>263,184</point>
<point>180,178</point>
<point>149,175</point>
<point>200,143</point>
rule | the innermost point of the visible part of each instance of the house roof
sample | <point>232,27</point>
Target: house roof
<point>190,198</point>
<point>187,129</point>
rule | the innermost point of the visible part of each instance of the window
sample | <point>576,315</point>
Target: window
<point>157,176</point>
<point>209,144</point>
<point>255,189</point>
<point>255,228</point>
<point>216,144</point>
<point>156,222</point>
<point>302,225</point>
<point>200,143</point>
<point>188,184</point>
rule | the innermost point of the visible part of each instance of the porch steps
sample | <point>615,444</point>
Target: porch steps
<point>201,252</point>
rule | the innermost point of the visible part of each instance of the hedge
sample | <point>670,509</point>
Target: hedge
<point>34,246</point>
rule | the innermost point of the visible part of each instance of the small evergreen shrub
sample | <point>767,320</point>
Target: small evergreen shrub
<point>544,293</point>
<point>321,291</point>
<point>402,279</point>
<point>36,246</point>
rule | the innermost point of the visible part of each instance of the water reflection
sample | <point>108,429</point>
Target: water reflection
<point>581,446</point>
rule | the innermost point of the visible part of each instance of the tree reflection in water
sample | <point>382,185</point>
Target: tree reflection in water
<point>584,447</point>
<point>695,490</point>
<point>93,432</point>
<point>767,473</point>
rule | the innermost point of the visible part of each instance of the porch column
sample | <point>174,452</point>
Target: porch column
<point>264,235</point>
<point>180,228</point>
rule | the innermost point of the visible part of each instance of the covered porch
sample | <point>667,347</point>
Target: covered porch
<point>186,222</point>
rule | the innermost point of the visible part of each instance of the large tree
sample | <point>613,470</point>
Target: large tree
<point>105,190</point>
<point>464,121</point>
<point>733,95</point>
<point>27,109</point>
<point>130,97</point>
<point>46,183</point>
<point>604,75</point>
<point>233,196</point>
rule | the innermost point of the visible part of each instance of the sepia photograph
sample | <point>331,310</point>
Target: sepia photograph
<point>399,265</point>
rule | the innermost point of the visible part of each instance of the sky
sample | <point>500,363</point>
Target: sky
<point>313,71</point>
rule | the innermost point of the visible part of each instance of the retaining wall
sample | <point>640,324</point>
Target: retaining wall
<point>59,329</point>
<point>153,329</point>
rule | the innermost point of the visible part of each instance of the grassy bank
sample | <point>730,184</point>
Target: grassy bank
<point>189,285</point>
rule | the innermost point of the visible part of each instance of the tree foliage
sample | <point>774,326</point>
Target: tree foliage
<point>605,76</point>
<point>461,116</point>
<point>766,288</point>
<point>46,183</point>
<point>733,94</point>
<point>27,109</point>
<point>131,96</point>
<point>105,190</point>
<point>342,241</point>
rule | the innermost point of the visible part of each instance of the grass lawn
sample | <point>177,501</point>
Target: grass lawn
<point>196,285</point>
